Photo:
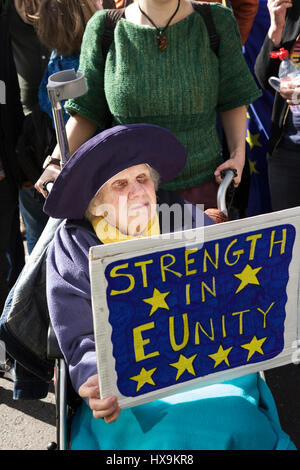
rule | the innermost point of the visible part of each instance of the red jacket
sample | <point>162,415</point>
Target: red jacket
<point>244,12</point>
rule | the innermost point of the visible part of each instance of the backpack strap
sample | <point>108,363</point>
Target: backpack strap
<point>205,11</point>
<point>108,4</point>
<point>111,19</point>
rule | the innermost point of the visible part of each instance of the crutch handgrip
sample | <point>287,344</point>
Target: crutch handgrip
<point>66,84</point>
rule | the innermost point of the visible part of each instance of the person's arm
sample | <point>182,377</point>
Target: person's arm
<point>234,123</point>
<point>265,67</point>
<point>237,89</point>
<point>277,9</point>
<point>78,130</point>
<point>70,310</point>
<point>69,301</point>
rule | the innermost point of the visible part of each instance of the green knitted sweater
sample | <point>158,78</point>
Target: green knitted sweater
<point>181,88</point>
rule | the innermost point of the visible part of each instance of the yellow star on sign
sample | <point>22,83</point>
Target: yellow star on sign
<point>253,140</point>
<point>183,364</point>
<point>247,276</point>
<point>220,356</point>
<point>143,378</point>
<point>254,346</point>
<point>157,301</point>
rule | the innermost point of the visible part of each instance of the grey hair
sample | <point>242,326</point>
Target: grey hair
<point>155,176</point>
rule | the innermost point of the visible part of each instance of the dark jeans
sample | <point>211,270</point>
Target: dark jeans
<point>31,207</point>
<point>11,246</point>
<point>284,178</point>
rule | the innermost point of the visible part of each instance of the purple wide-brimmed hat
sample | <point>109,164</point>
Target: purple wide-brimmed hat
<point>105,155</point>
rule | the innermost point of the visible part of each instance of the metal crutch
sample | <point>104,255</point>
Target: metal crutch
<point>63,86</point>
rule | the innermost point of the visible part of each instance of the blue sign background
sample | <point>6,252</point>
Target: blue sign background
<point>234,312</point>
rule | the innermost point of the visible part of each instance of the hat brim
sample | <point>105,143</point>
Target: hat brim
<point>105,155</point>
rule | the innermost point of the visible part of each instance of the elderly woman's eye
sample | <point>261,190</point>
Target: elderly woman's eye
<point>120,184</point>
<point>142,178</point>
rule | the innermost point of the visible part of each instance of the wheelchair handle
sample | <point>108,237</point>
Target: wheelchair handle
<point>227,176</point>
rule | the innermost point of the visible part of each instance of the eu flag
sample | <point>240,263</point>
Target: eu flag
<point>256,153</point>
<point>258,121</point>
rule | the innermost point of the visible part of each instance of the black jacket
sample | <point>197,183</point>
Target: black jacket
<point>11,113</point>
<point>266,67</point>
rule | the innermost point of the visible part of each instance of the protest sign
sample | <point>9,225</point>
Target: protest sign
<point>178,311</point>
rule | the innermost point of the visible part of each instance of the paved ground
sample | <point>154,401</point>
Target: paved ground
<point>25,425</point>
<point>30,425</point>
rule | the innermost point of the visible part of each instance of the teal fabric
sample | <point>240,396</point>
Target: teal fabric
<point>235,415</point>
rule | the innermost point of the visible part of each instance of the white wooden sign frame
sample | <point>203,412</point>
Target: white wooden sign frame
<point>103,255</point>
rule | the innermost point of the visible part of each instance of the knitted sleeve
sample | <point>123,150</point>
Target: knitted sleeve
<point>92,104</point>
<point>237,86</point>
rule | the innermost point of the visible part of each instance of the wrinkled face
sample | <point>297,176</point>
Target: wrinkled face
<point>127,201</point>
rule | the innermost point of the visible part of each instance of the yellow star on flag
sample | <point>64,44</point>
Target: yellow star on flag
<point>247,276</point>
<point>157,301</point>
<point>220,356</point>
<point>252,167</point>
<point>143,378</point>
<point>253,140</point>
<point>254,346</point>
<point>183,364</point>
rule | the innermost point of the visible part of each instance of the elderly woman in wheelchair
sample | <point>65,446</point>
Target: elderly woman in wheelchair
<point>107,192</point>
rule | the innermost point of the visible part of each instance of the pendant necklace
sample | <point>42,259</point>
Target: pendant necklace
<point>160,37</point>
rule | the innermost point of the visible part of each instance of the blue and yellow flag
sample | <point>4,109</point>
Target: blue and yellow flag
<point>258,121</point>
<point>256,153</point>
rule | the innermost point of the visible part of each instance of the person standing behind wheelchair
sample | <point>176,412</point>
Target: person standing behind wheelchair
<point>160,69</point>
<point>11,121</point>
<point>283,156</point>
<point>284,141</point>
<point>31,58</point>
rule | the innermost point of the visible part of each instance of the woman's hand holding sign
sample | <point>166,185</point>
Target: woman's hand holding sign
<point>106,408</point>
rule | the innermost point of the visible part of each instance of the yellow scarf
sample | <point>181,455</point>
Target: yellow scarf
<point>109,234</point>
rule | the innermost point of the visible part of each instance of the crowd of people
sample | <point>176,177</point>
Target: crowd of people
<point>163,116</point>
